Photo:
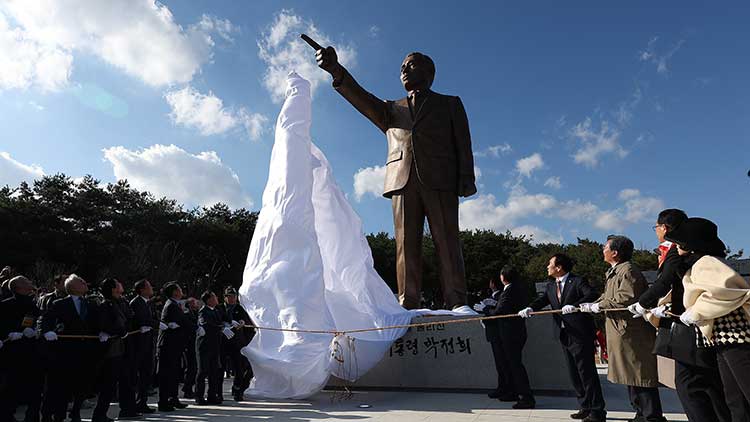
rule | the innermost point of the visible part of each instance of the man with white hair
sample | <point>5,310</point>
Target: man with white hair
<point>73,373</point>
<point>18,314</point>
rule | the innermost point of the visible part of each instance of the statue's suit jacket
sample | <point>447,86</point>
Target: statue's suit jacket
<point>437,140</point>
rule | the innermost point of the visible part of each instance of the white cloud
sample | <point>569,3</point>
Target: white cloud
<point>495,151</point>
<point>661,61</point>
<point>28,63</point>
<point>201,179</point>
<point>374,31</point>
<point>139,37</point>
<point>626,194</point>
<point>527,165</point>
<point>594,144</point>
<point>283,51</point>
<point>537,234</point>
<point>207,114</point>
<point>369,180</point>
<point>477,173</point>
<point>13,172</point>
<point>553,182</point>
<point>483,212</point>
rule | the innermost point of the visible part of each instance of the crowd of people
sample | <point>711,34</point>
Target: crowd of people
<point>61,348</point>
<point>697,312</point>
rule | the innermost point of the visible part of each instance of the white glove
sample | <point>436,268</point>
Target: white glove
<point>145,329</point>
<point>29,332</point>
<point>103,337</point>
<point>15,336</point>
<point>235,324</point>
<point>524,313</point>
<point>595,308</point>
<point>1,344</point>
<point>163,326</point>
<point>479,307</point>
<point>50,336</point>
<point>660,311</point>
<point>569,309</point>
<point>200,332</point>
<point>173,325</point>
<point>637,310</point>
<point>688,317</point>
<point>228,333</point>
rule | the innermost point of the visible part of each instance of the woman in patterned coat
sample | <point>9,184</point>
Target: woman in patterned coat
<point>717,301</point>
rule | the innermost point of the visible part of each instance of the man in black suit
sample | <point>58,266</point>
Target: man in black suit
<point>700,389</point>
<point>46,349</point>
<point>211,326</point>
<point>511,334</point>
<point>73,373</point>
<point>143,343</point>
<point>192,306</point>
<point>18,357</point>
<point>238,317</point>
<point>492,334</point>
<point>171,343</point>
<point>576,333</point>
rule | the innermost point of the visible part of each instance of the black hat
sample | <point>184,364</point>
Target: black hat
<point>698,235</point>
<point>230,291</point>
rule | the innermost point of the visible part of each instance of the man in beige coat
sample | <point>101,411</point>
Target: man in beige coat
<point>629,341</point>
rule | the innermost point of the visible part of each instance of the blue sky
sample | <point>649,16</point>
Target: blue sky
<point>587,118</point>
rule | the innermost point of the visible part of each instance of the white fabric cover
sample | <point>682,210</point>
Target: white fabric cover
<point>310,267</point>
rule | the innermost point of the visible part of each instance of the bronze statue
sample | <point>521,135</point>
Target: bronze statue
<point>429,165</point>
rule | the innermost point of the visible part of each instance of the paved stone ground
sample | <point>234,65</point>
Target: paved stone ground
<point>398,406</point>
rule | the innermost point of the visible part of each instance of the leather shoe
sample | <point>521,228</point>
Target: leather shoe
<point>508,397</point>
<point>200,401</point>
<point>595,418</point>
<point>166,408</point>
<point>145,410</point>
<point>129,415</point>
<point>239,397</point>
<point>178,404</point>
<point>581,414</point>
<point>214,402</point>
<point>525,404</point>
<point>494,394</point>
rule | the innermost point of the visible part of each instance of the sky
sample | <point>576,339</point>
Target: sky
<point>587,118</point>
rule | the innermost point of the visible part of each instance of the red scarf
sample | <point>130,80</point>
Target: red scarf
<point>664,248</point>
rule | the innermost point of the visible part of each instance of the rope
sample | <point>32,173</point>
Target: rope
<point>336,333</point>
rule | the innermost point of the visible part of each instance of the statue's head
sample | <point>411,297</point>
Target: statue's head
<point>417,71</point>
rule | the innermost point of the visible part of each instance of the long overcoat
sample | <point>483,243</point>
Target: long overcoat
<point>630,341</point>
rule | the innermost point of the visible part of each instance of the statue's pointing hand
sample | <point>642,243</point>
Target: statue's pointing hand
<point>326,58</point>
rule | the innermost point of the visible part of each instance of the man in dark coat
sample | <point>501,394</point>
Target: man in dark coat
<point>211,326</point>
<point>142,344</point>
<point>511,334</point>
<point>700,389</point>
<point>171,343</point>
<point>46,349</point>
<point>112,326</point>
<point>73,373</point>
<point>492,334</point>
<point>238,317</point>
<point>428,167</point>
<point>576,333</point>
<point>188,356</point>
<point>18,357</point>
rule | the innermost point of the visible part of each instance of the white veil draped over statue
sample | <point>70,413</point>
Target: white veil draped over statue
<point>310,268</point>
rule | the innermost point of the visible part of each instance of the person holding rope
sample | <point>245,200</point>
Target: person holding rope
<point>18,358</point>
<point>72,376</point>
<point>143,344</point>
<point>511,338</point>
<point>171,343</point>
<point>696,379</point>
<point>113,327</point>
<point>239,318</point>
<point>630,340</point>
<point>576,333</point>
<point>717,302</point>
<point>208,349</point>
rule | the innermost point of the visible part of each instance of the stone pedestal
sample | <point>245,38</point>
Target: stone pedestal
<point>458,357</point>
